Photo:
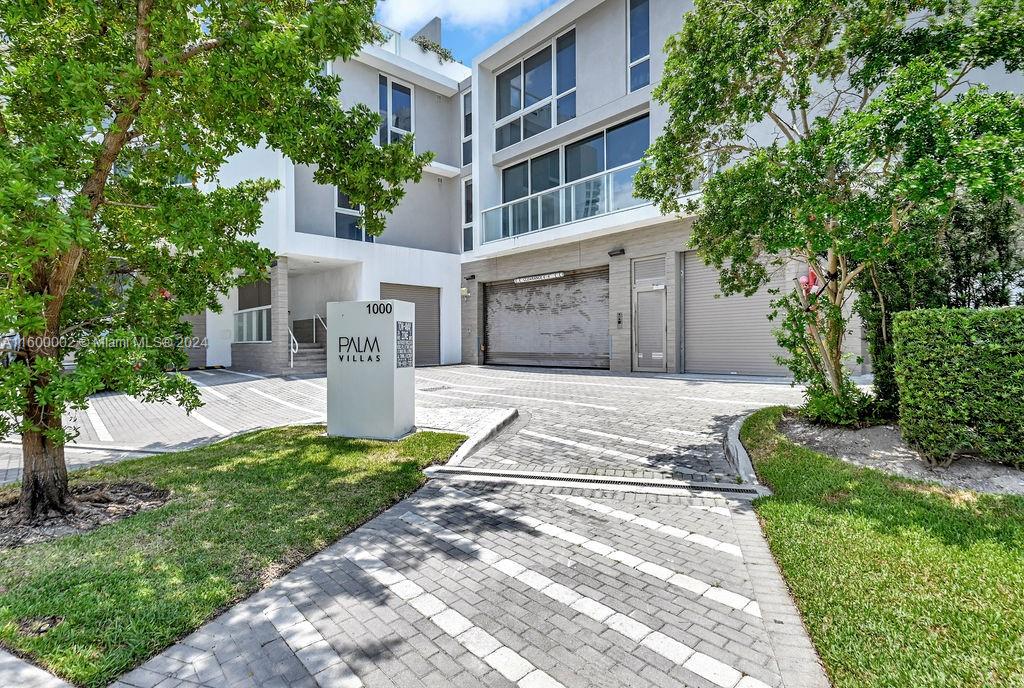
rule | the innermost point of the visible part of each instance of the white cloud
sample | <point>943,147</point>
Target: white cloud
<point>410,15</point>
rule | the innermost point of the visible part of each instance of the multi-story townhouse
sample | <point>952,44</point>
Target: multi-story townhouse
<point>322,253</point>
<point>567,267</point>
<point>523,243</point>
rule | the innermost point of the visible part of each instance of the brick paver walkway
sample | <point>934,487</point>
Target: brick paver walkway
<point>473,582</point>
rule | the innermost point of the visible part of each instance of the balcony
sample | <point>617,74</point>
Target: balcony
<point>392,39</point>
<point>600,194</point>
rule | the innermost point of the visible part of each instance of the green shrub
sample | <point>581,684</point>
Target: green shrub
<point>961,380</point>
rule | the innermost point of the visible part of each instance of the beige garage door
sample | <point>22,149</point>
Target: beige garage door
<point>561,322</point>
<point>428,318</point>
<point>728,334</point>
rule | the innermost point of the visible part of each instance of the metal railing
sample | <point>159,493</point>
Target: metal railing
<point>392,39</point>
<point>600,194</point>
<point>293,348</point>
<point>316,317</point>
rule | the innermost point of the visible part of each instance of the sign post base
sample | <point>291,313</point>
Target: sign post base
<point>371,379</point>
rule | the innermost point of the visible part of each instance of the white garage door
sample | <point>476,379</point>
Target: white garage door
<point>428,318</point>
<point>555,322</point>
<point>726,334</point>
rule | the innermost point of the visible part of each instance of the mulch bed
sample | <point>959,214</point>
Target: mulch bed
<point>96,504</point>
<point>882,448</point>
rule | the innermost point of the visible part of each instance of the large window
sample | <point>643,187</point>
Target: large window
<point>639,20</point>
<point>535,94</point>
<point>348,222</point>
<point>467,215</point>
<point>252,319</point>
<point>467,128</point>
<point>584,179</point>
<point>396,109</point>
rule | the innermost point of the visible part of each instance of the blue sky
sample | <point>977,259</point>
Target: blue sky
<point>468,26</point>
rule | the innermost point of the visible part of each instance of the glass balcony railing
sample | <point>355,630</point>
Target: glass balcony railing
<point>600,194</point>
<point>392,39</point>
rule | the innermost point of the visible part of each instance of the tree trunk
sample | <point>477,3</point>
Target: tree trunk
<point>44,481</point>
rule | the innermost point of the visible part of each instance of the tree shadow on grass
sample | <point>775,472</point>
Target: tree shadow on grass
<point>892,505</point>
<point>263,501</point>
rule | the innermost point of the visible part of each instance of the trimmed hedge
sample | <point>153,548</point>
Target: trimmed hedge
<point>961,378</point>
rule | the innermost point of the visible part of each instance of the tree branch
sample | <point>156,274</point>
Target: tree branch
<point>782,125</point>
<point>63,271</point>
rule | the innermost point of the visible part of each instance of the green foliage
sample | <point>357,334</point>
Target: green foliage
<point>901,584</point>
<point>975,261</point>
<point>847,405</point>
<point>961,380</point>
<point>242,513</point>
<point>427,45</point>
<point>102,106</point>
<point>831,130</point>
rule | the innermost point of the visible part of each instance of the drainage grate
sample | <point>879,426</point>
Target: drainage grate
<point>599,480</point>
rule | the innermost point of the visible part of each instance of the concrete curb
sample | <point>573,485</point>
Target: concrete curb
<point>481,438</point>
<point>740,459</point>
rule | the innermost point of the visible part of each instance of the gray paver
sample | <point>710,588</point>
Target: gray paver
<point>618,587</point>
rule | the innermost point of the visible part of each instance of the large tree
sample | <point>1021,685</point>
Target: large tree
<point>829,128</point>
<point>115,117</point>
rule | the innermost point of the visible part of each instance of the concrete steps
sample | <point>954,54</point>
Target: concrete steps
<point>310,358</point>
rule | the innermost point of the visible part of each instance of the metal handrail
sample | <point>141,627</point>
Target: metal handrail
<point>293,348</point>
<point>316,316</point>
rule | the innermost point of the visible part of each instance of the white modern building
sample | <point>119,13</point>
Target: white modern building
<point>523,243</point>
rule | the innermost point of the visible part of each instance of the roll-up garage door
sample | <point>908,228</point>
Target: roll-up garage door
<point>557,321</point>
<point>726,334</point>
<point>428,318</point>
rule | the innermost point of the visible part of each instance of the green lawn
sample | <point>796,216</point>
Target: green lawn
<point>241,512</point>
<point>900,583</point>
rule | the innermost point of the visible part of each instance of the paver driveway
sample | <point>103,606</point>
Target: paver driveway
<point>517,579</point>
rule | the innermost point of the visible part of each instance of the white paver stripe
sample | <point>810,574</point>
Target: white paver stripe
<point>547,381</point>
<point>252,375</point>
<point>502,659</point>
<point>697,539</point>
<point>282,402</point>
<point>454,384</point>
<point>97,424</point>
<point>712,592</point>
<point>315,386</point>
<point>730,402</point>
<point>582,445</point>
<point>627,440</point>
<point>217,428</point>
<point>704,665</point>
<point>207,389</point>
<point>549,401</point>
<point>315,653</point>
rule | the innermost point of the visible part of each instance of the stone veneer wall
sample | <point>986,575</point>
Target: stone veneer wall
<point>272,356</point>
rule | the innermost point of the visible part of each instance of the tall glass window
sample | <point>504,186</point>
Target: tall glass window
<point>510,91</point>
<point>627,142</point>
<point>515,182</point>
<point>584,158</point>
<point>565,75</point>
<point>537,77</point>
<point>467,128</point>
<point>639,68</point>
<point>524,92</point>
<point>544,172</point>
<point>395,104</point>
<point>467,215</point>
<point>348,222</point>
